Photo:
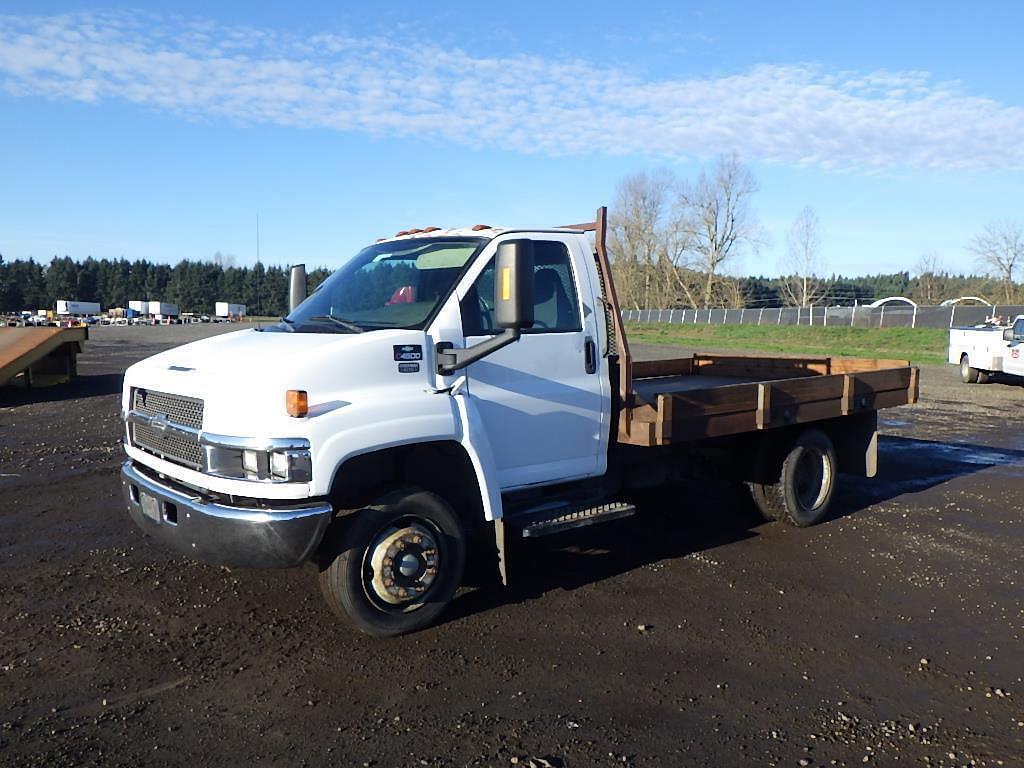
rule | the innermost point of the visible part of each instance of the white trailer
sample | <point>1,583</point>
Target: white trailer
<point>984,350</point>
<point>140,306</point>
<point>227,309</point>
<point>161,309</point>
<point>66,307</point>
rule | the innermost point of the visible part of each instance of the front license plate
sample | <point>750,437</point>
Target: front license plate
<point>150,507</point>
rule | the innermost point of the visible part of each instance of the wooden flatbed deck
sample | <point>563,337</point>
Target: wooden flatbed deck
<point>714,395</point>
<point>674,401</point>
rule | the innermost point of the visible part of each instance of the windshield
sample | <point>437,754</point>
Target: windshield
<point>397,284</point>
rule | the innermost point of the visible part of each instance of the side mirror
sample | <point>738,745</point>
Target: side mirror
<point>1008,335</point>
<point>513,285</point>
<point>513,307</point>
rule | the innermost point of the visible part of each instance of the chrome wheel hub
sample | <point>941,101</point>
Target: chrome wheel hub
<point>403,564</point>
<point>813,478</point>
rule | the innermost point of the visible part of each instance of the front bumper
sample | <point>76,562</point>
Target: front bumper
<point>246,537</point>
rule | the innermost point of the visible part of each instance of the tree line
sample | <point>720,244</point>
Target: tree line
<point>673,241</point>
<point>195,286</point>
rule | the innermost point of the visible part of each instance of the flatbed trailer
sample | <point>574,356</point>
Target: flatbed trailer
<point>40,356</point>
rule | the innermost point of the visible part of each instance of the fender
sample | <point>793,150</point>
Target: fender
<point>453,418</point>
<point>477,445</point>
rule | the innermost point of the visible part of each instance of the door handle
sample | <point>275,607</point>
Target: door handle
<point>590,356</point>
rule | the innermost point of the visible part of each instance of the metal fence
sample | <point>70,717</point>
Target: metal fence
<point>885,316</point>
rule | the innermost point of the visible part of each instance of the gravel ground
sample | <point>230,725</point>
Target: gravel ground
<point>692,635</point>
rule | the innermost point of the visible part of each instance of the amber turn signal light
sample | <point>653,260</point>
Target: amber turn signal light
<point>297,402</point>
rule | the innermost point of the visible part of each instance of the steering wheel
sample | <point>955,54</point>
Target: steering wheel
<point>486,314</point>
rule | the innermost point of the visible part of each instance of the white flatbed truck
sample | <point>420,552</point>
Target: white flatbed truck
<point>457,388</point>
<point>987,349</point>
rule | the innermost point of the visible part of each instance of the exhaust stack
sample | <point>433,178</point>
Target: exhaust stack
<point>297,287</point>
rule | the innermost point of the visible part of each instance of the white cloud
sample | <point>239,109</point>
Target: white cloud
<point>790,114</point>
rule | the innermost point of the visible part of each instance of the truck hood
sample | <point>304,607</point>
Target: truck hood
<point>243,376</point>
<point>241,353</point>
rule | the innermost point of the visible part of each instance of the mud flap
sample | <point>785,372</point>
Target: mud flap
<point>500,547</point>
<point>856,441</point>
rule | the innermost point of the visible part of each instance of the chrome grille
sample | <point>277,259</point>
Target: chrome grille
<point>181,410</point>
<point>180,450</point>
<point>187,411</point>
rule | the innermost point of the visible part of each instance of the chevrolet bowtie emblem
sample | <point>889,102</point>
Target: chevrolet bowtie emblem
<point>160,423</point>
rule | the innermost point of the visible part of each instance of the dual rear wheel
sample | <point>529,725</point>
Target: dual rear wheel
<point>971,375</point>
<point>799,488</point>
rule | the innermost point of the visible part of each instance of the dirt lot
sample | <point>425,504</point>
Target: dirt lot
<point>891,635</point>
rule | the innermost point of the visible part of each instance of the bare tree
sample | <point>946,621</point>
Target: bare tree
<point>644,242</point>
<point>931,278</point>
<point>729,292</point>
<point>716,220</point>
<point>1000,249</point>
<point>802,286</point>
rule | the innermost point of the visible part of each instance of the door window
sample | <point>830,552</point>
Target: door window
<point>556,307</point>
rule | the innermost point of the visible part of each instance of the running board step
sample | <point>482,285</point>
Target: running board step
<point>569,518</point>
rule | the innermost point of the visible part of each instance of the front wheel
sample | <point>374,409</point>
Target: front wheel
<point>806,482</point>
<point>391,568</point>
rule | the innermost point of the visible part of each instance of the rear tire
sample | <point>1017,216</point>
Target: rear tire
<point>968,375</point>
<point>392,568</point>
<point>761,501</point>
<point>803,492</point>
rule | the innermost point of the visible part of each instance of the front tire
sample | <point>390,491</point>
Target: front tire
<point>806,482</point>
<point>393,567</point>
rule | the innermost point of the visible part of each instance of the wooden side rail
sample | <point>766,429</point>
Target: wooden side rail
<point>737,408</point>
<point>757,367</point>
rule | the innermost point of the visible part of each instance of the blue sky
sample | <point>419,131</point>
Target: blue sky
<point>160,131</point>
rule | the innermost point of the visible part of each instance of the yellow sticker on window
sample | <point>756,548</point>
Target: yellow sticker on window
<point>506,283</point>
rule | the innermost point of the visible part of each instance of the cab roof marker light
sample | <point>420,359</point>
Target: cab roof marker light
<point>297,402</point>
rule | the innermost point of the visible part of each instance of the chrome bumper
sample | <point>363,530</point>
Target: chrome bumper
<point>245,537</point>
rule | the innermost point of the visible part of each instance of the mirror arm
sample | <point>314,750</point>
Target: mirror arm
<point>450,359</point>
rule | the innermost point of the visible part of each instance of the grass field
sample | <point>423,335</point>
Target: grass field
<point>920,345</point>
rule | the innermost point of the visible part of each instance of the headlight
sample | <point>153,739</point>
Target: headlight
<point>279,465</point>
<point>251,463</point>
<point>291,466</point>
<point>284,465</point>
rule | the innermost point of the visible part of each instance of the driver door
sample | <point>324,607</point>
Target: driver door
<point>541,398</point>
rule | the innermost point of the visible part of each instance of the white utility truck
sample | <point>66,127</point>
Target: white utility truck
<point>987,349</point>
<point>460,388</point>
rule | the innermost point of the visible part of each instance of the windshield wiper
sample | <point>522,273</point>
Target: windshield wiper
<point>339,321</point>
